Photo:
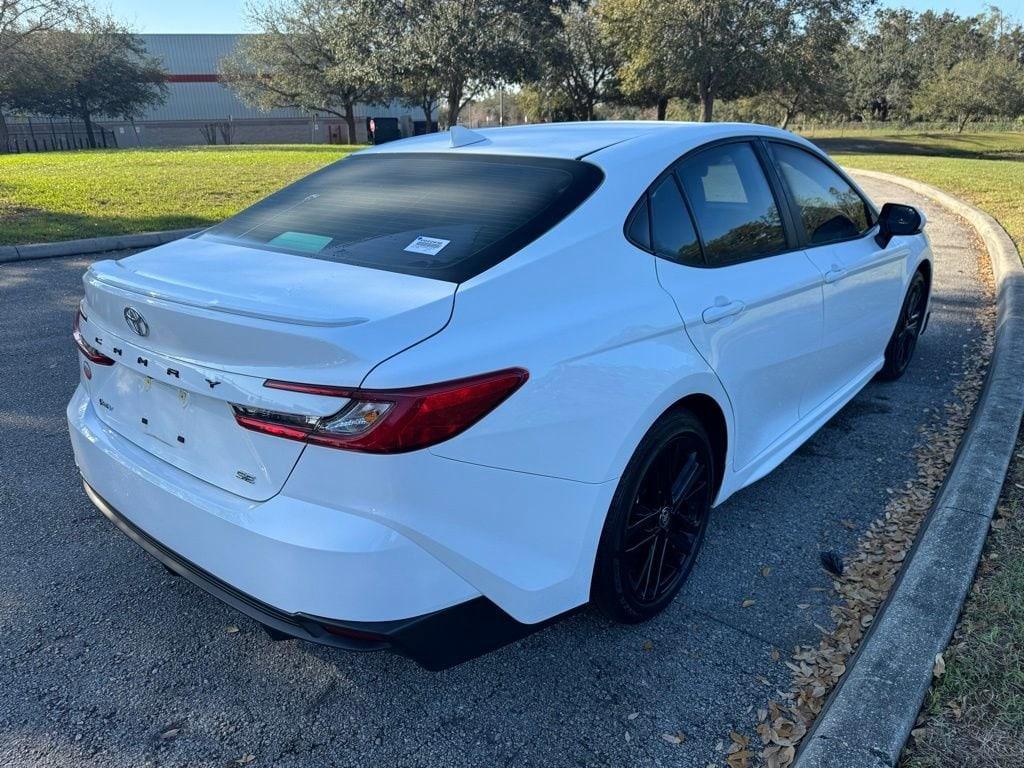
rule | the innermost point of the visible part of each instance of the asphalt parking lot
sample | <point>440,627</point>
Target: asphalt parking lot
<point>107,660</point>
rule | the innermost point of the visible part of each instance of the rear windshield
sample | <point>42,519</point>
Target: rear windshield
<point>443,216</point>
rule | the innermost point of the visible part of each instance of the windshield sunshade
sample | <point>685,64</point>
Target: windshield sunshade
<point>443,216</point>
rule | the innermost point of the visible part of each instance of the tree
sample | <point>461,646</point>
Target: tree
<point>701,50</point>
<point>316,55</point>
<point>649,72</point>
<point>541,105</point>
<point>973,88</point>
<point>807,74</point>
<point>20,21</point>
<point>883,67</point>
<point>466,47</point>
<point>98,69</point>
<point>579,63</point>
<point>420,87</point>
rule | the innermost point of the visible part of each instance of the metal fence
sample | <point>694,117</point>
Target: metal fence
<point>29,135</point>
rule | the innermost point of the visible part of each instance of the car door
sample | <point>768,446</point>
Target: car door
<point>750,300</point>
<point>863,283</point>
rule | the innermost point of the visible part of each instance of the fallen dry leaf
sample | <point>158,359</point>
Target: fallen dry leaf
<point>672,738</point>
<point>748,602</point>
<point>231,630</point>
<point>939,669</point>
<point>245,759</point>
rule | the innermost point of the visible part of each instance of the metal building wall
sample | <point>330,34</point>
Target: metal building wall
<point>192,61</point>
<point>195,98</point>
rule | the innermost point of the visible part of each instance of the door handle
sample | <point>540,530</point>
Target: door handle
<point>722,309</point>
<point>835,274</point>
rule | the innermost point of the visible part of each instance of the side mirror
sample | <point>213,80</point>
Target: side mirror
<point>896,219</point>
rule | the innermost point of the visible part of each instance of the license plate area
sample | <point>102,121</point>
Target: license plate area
<point>153,412</point>
<point>194,432</point>
<point>163,411</point>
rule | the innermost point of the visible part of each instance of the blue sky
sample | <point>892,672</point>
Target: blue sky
<point>228,15</point>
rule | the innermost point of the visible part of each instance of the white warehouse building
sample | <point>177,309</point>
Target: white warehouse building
<point>199,107</point>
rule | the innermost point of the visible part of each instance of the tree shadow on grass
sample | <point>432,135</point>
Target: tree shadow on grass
<point>926,145</point>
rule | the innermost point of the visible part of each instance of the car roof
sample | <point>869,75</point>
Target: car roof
<point>575,140</point>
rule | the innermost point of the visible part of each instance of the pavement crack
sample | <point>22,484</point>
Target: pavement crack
<point>734,628</point>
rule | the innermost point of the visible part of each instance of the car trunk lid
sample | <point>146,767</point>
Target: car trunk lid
<point>195,325</point>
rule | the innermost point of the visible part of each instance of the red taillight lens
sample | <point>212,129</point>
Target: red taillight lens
<point>92,354</point>
<point>389,421</point>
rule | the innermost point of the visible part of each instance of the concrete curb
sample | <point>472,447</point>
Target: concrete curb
<point>868,718</point>
<point>9,253</point>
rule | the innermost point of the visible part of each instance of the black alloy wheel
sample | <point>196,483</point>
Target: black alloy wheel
<point>903,342</point>
<point>657,521</point>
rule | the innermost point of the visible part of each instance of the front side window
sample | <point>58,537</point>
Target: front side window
<point>830,208</point>
<point>733,204</point>
<point>445,216</point>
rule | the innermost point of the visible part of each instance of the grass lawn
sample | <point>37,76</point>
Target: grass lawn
<point>986,169</point>
<point>975,715</point>
<point>51,196</point>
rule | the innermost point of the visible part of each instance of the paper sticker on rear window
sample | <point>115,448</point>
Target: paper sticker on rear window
<point>431,246</point>
<point>300,241</point>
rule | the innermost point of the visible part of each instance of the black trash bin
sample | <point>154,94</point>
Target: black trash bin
<point>382,129</point>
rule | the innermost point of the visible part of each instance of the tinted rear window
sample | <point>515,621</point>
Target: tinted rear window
<point>443,216</point>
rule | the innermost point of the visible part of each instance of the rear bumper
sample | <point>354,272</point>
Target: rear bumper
<point>306,566</point>
<point>436,640</point>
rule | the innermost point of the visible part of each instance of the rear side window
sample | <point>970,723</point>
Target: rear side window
<point>443,216</point>
<point>830,208</point>
<point>674,236</point>
<point>733,204</point>
<point>639,231</point>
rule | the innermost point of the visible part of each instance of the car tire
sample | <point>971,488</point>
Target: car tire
<point>657,520</point>
<point>900,349</point>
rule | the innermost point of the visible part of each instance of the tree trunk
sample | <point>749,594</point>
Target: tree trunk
<point>790,111</point>
<point>662,107</point>
<point>707,100</point>
<point>4,149</point>
<point>87,119</point>
<point>961,122</point>
<point>350,121</point>
<point>428,110</point>
<point>454,105</point>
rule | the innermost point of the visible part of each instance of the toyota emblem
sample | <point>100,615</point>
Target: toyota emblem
<point>136,321</point>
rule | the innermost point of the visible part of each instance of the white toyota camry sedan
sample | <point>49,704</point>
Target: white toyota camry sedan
<point>445,390</point>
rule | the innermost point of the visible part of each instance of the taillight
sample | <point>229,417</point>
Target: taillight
<point>92,354</point>
<point>389,420</point>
